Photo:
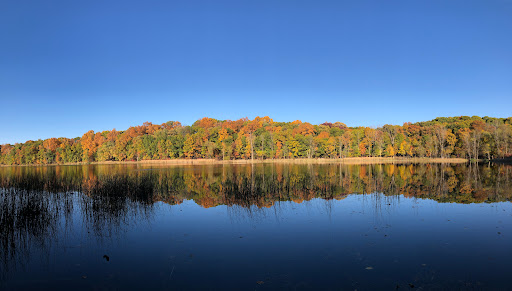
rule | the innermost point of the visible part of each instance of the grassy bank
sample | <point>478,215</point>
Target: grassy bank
<point>348,161</point>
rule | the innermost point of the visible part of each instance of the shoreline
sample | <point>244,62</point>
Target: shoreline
<point>346,161</point>
<point>505,161</point>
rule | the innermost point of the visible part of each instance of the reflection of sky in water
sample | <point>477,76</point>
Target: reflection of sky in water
<point>362,241</point>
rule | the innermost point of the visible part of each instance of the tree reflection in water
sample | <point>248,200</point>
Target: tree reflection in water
<point>37,203</point>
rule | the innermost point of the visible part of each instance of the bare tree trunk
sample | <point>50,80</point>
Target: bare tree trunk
<point>496,135</point>
<point>339,139</point>
<point>311,147</point>
<point>476,144</point>
<point>252,146</point>
<point>272,142</point>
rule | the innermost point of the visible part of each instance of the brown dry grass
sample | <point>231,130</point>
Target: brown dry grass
<point>348,161</point>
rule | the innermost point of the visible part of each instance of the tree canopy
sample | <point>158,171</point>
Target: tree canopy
<point>262,138</point>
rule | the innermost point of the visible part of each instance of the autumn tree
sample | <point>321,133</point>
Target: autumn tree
<point>461,136</point>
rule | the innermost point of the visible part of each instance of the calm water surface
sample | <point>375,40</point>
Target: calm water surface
<point>252,227</point>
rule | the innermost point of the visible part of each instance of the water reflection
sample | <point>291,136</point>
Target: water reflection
<point>115,189</point>
<point>28,219</point>
<point>39,204</point>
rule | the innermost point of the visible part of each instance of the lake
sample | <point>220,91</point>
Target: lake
<point>256,227</point>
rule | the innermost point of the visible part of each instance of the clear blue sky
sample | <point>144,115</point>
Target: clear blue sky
<point>70,66</point>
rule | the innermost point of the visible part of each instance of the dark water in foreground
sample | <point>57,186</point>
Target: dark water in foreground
<point>246,227</point>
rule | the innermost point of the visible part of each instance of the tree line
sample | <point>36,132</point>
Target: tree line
<point>262,138</point>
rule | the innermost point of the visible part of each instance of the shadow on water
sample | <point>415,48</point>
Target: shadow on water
<point>37,202</point>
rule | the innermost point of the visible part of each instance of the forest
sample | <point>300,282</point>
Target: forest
<point>467,137</point>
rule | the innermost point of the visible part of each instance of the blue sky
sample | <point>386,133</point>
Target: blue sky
<point>67,67</point>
